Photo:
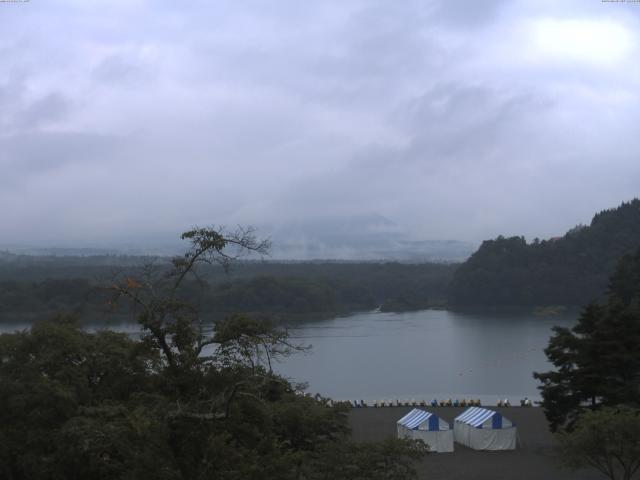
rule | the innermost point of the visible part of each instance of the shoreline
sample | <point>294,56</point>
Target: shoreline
<point>420,401</point>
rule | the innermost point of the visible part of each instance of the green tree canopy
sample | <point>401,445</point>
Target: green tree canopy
<point>607,440</point>
<point>176,403</point>
<point>568,270</point>
<point>597,362</point>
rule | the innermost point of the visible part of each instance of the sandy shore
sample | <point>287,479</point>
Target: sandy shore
<point>532,460</point>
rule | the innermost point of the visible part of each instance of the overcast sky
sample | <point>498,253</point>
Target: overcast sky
<point>129,120</point>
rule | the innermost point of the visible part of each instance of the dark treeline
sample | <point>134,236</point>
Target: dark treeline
<point>80,405</point>
<point>571,270</point>
<point>39,267</point>
<point>51,284</point>
<point>48,295</point>
<point>506,272</point>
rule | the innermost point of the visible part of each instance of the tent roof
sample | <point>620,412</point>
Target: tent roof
<point>475,416</point>
<point>414,418</point>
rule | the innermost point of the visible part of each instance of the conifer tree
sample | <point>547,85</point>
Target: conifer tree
<point>598,360</point>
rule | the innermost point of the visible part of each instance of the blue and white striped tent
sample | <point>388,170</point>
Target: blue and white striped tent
<point>428,427</point>
<point>483,429</point>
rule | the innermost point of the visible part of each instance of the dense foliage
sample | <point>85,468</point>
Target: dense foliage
<point>571,270</point>
<point>597,362</point>
<point>607,440</point>
<point>174,404</point>
<point>49,284</point>
<point>47,295</point>
<point>103,406</point>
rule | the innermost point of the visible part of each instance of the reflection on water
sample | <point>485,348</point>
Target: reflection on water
<point>416,355</point>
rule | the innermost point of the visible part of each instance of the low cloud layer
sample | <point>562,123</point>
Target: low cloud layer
<point>130,121</point>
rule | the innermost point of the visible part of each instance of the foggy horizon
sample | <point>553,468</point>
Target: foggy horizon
<point>127,123</point>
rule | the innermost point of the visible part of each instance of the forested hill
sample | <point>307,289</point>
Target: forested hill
<point>570,270</point>
<point>43,285</point>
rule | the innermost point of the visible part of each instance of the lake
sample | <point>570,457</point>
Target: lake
<point>416,355</point>
<point>425,354</point>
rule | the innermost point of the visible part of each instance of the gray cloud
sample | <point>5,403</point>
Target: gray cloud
<point>467,14</point>
<point>117,69</point>
<point>31,154</point>
<point>50,108</point>
<point>134,120</point>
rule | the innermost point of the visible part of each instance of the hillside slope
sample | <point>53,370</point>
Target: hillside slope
<point>571,270</point>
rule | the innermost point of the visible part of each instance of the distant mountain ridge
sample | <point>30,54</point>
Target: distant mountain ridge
<point>352,238</point>
<point>371,237</point>
<point>569,270</point>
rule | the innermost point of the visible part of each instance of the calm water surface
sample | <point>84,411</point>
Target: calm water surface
<point>416,355</point>
<point>375,356</point>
